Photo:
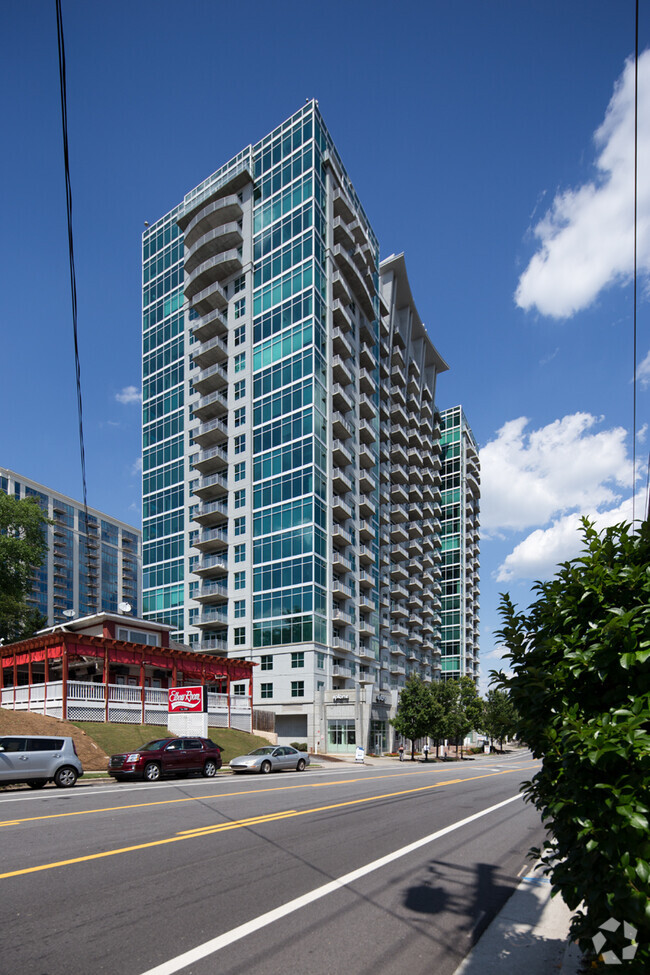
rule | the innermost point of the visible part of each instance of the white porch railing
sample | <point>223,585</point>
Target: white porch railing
<point>86,701</point>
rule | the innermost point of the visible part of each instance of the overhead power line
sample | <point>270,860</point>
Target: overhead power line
<point>73,279</point>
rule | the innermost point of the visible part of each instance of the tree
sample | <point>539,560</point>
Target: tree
<point>441,693</point>
<point>499,719</point>
<point>23,547</point>
<point>412,718</point>
<point>580,663</point>
<point>465,708</point>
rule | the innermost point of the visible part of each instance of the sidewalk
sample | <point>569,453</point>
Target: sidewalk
<point>530,934</point>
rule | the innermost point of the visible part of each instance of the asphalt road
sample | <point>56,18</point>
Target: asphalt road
<point>341,869</point>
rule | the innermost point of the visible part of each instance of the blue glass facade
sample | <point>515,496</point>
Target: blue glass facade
<point>290,461</point>
<point>93,564</point>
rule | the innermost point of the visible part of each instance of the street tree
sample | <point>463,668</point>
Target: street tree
<point>580,681</point>
<point>23,547</point>
<point>412,718</point>
<point>441,695</point>
<point>465,709</point>
<point>499,718</point>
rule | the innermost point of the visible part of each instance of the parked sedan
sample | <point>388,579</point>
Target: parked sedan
<point>271,758</point>
<point>167,757</point>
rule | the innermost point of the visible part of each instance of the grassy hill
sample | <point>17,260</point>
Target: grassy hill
<point>95,742</point>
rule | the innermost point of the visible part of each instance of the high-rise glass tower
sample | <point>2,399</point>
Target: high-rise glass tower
<point>89,568</point>
<point>291,482</point>
<point>460,546</point>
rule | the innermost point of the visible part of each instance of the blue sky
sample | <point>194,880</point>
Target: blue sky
<point>491,142</point>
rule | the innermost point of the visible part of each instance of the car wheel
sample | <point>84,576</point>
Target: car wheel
<point>265,767</point>
<point>65,777</point>
<point>300,767</point>
<point>210,769</point>
<point>151,772</point>
<point>37,783</point>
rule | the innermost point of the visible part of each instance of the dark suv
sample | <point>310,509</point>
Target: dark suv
<point>167,757</point>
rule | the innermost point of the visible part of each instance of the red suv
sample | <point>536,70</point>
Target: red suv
<point>166,757</point>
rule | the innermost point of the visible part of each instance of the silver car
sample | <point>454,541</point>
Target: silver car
<point>271,758</point>
<point>37,759</point>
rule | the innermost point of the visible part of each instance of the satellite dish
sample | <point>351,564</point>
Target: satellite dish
<point>69,614</point>
<point>124,607</point>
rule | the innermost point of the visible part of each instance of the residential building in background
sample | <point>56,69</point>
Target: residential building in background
<point>85,572</point>
<point>291,462</point>
<point>459,641</point>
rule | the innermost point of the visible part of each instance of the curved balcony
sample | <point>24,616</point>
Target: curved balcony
<point>217,241</point>
<point>362,289</point>
<point>342,207</point>
<point>216,268</point>
<point>213,296</point>
<point>214,214</point>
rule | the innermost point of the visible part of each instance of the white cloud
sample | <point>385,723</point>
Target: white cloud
<point>643,372</point>
<point>586,236</point>
<point>530,477</point>
<point>137,466</point>
<point>538,556</point>
<point>130,394</point>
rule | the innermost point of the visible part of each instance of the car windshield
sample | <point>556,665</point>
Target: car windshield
<point>153,746</point>
<point>266,750</point>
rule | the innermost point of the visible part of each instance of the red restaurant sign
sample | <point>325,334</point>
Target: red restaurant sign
<point>187,699</point>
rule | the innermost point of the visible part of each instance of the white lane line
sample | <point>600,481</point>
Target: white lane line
<point>230,937</point>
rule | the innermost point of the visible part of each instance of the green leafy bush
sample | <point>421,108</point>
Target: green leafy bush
<point>301,746</point>
<point>580,681</point>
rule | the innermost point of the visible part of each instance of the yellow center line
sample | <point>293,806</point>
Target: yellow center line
<point>240,824</point>
<point>220,795</point>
